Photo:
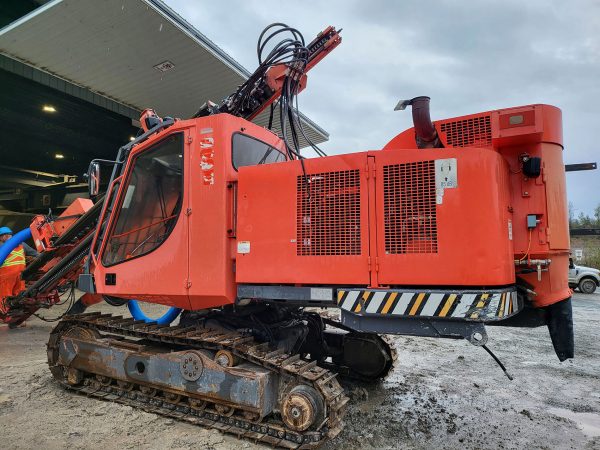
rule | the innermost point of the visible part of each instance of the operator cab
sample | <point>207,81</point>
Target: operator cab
<point>171,212</point>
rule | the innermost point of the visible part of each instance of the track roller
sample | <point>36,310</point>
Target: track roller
<point>302,408</point>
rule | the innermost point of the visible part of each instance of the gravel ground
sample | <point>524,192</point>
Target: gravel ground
<point>442,394</point>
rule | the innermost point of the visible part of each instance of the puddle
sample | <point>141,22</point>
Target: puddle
<point>588,423</point>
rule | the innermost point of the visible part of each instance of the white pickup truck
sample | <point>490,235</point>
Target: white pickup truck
<point>586,279</point>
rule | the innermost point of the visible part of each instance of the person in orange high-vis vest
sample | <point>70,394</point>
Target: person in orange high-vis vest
<point>10,271</point>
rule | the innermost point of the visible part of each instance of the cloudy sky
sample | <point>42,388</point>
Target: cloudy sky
<point>468,56</point>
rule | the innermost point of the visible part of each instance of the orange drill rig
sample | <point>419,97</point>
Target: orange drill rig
<point>453,225</point>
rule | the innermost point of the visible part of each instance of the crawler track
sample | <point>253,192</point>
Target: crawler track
<point>271,430</point>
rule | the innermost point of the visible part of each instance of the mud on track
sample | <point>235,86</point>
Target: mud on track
<point>442,394</point>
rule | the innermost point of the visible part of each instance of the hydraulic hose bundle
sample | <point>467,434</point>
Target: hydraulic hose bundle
<point>293,53</point>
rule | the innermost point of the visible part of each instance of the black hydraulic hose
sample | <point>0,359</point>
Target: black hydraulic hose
<point>70,299</point>
<point>509,376</point>
<point>114,301</point>
<point>56,272</point>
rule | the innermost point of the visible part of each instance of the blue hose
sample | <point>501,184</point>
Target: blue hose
<point>165,319</point>
<point>134,307</point>
<point>13,243</point>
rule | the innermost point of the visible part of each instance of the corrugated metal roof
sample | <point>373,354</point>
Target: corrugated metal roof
<point>111,47</point>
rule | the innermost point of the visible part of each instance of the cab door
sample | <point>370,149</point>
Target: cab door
<point>144,255</point>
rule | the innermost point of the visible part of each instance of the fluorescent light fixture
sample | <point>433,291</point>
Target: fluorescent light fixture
<point>59,156</point>
<point>48,108</point>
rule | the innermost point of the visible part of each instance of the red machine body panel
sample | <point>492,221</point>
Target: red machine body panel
<point>408,234</point>
<point>429,215</point>
<point>544,196</point>
<point>531,131</point>
<point>287,236</point>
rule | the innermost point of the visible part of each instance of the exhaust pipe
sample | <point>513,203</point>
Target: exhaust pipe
<point>426,135</point>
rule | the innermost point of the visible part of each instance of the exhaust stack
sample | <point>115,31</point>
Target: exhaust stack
<point>426,135</point>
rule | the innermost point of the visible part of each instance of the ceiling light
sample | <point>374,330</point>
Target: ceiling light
<point>59,156</point>
<point>164,66</point>
<point>131,138</point>
<point>48,108</point>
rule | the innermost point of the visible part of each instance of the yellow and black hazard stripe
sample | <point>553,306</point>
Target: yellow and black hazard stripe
<point>457,305</point>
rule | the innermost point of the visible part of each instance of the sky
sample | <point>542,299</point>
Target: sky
<point>468,56</point>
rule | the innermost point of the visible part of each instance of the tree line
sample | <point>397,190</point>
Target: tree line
<point>583,220</point>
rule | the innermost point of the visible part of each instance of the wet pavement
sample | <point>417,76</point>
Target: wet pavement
<point>442,394</point>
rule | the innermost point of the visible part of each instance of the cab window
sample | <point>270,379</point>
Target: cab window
<point>150,204</point>
<point>247,151</point>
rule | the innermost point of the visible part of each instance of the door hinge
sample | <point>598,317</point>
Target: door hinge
<point>190,139</point>
<point>367,172</point>
<point>188,284</point>
<point>188,212</point>
<point>369,264</point>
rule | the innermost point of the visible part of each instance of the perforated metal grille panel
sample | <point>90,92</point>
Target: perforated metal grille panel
<point>410,208</point>
<point>474,132</point>
<point>328,220</point>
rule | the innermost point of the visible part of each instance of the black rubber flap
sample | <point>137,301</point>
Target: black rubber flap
<point>559,319</point>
